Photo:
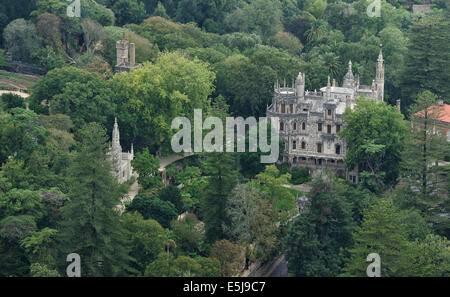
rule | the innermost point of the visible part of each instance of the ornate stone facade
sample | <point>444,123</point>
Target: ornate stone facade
<point>121,161</point>
<point>310,121</point>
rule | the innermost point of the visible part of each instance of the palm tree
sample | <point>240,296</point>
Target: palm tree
<point>317,31</point>
<point>332,62</point>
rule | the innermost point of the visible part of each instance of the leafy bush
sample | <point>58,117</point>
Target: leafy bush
<point>9,101</point>
<point>172,194</point>
<point>300,176</point>
<point>151,207</point>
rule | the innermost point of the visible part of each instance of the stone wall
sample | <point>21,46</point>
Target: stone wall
<point>20,67</point>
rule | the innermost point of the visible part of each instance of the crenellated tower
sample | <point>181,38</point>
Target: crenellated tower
<point>126,56</point>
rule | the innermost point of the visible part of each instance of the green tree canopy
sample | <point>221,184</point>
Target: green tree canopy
<point>151,96</point>
<point>151,207</point>
<point>375,134</point>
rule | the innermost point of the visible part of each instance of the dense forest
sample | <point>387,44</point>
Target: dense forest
<point>58,195</point>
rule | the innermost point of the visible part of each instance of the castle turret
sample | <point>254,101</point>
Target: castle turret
<point>379,80</point>
<point>349,78</point>
<point>300,86</point>
<point>328,89</point>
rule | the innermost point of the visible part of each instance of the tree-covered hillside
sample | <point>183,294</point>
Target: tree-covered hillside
<point>219,214</point>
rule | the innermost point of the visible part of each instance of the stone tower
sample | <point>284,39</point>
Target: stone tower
<point>132,55</point>
<point>122,52</point>
<point>349,78</point>
<point>300,85</point>
<point>126,56</point>
<point>379,80</point>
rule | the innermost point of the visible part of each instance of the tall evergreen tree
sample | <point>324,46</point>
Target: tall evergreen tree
<point>222,179</point>
<point>425,173</point>
<point>91,225</point>
<point>427,59</point>
<point>383,232</point>
<point>314,240</point>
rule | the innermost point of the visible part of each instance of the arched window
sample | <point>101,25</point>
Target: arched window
<point>303,126</point>
<point>294,126</point>
<point>281,126</point>
<point>303,145</point>
<point>338,149</point>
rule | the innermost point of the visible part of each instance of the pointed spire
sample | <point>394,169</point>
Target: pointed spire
<point>116,129</point>
<point>349,78</point>
<point>132,149</point>
<point>380,56</point>
<point>328,84</point>
<point>116,136</point>
<point>284,82</point>
<point>380,76</point>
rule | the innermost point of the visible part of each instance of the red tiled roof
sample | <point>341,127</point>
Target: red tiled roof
<point>443,109</point>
